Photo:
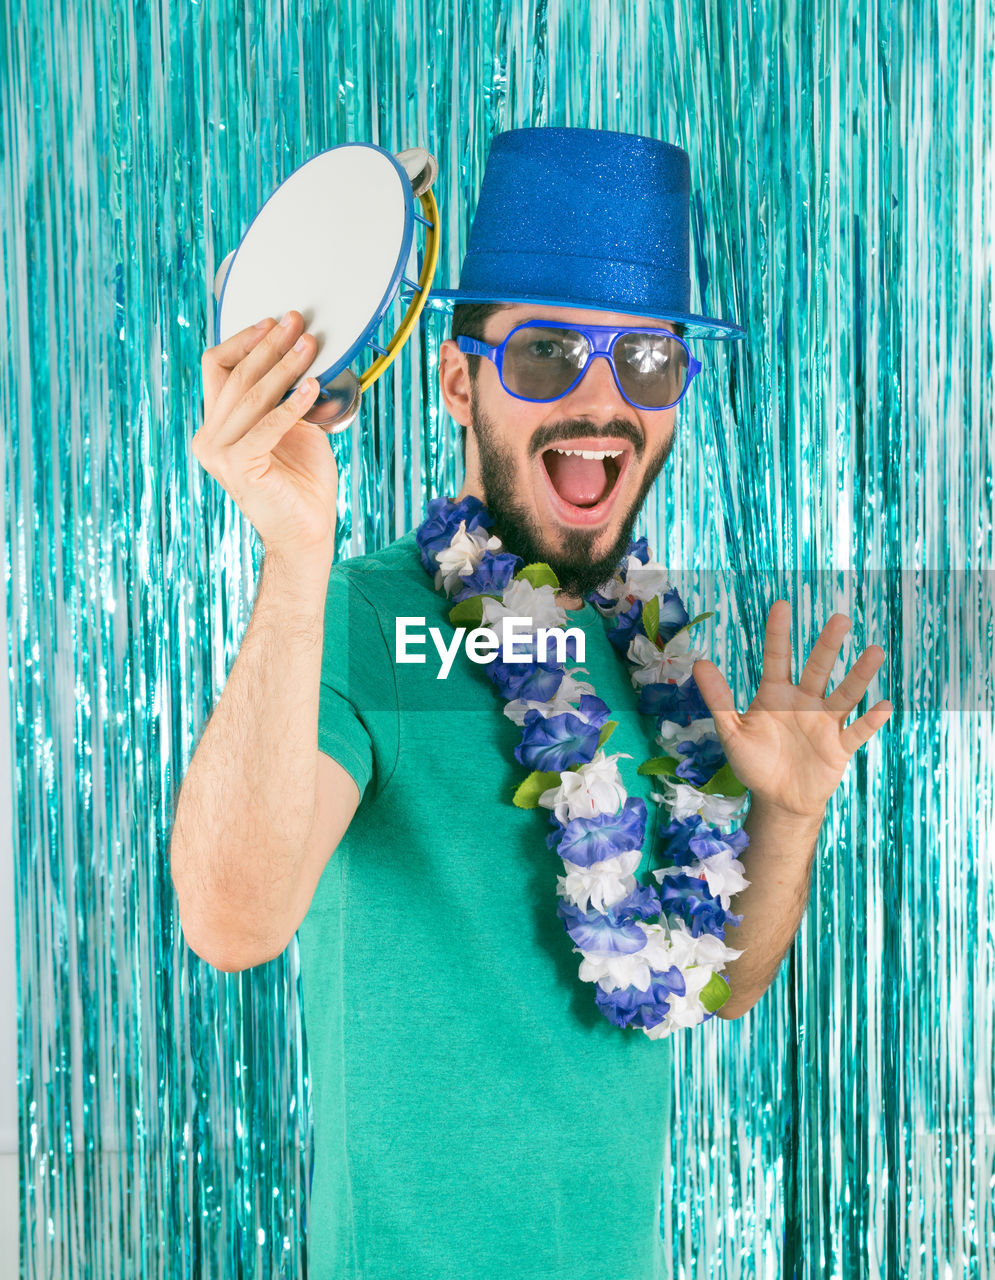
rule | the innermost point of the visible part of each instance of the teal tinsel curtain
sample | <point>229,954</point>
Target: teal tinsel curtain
<point>843,205</point>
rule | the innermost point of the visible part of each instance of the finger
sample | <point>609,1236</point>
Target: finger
<point>815,674</point>
<point>217,362</point>
<point>717,697</point>
<point>856,734</point>
<point>277,341</point>
<point>777,643</point>
<point>854,684</point>
<point>258,443</point>
<point>265,394</point>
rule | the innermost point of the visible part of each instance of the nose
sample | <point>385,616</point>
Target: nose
<point>597,393</point>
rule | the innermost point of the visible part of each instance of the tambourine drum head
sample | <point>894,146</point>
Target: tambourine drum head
<point>330,242</point>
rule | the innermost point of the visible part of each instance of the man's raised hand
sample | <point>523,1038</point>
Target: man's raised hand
<point>790,746</point>
<point>279,470</point>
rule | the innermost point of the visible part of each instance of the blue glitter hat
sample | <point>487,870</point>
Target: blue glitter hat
<point>585,218</point>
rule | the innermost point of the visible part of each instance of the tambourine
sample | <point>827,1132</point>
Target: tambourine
<point>336,242</point>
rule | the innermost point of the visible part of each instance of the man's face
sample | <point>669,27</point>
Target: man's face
<point>576,515</point>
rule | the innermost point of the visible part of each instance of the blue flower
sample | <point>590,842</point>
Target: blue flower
<point>492,574</point>
<point>614,930</point>
<point>680,703</point>
<point>602,932</point>
<point>700,759</point>
<point>643,902</point>
<point>627,625</point>
<point>692,705</point>
<point>530,681</point>
<point>555,742</point>
<point>639,548</point>
<point>737,840</point>
<point>586,840</point>
<point>603,602</point>
<point>688,897</point>
<point>673,615</point>
<point>442,521</point>
<point>709,840</point>
<point>593,709</point>
<point>681,837</point>
<point>693,840</point>
<point>628,1006</point>
<point>663,700</point>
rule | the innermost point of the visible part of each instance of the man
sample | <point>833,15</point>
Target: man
<point>475,1113</point>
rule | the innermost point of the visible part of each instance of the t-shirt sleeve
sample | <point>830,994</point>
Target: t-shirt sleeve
<point>357,701</point>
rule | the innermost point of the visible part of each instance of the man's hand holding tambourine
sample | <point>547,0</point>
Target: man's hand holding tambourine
<point>279,470</point>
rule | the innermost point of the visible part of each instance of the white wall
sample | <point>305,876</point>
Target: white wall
<point>9,1201</point>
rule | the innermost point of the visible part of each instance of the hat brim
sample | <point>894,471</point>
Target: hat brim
<point>695,326</point>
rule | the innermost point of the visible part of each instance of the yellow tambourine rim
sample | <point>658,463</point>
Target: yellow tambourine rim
<point>430,257</point>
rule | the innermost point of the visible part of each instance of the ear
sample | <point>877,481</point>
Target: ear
<point>454,382</point>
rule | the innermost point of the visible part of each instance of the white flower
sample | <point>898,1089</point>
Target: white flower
<point>521,599</point>
<point>569,692</point>
<point>644,581</point>
<point>614,589</point>
<point>697,958</point>
<point>602,884</point>
<point>722,872</point>
<point>662,950</point>
<point>708,949</point>
<point>686,1010</point>
<point>666,946</point>
<point>657,666</point>
<point>594,788</point>
<point>662,1029</point>
<point>612,972</point>
<point>671,733</point>
<point>462,556</point>
<point>685,800</point>
<point>676,944</point>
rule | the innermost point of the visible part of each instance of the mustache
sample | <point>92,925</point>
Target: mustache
<point>578,429</point>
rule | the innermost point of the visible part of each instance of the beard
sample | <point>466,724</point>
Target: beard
<point>577,569</point>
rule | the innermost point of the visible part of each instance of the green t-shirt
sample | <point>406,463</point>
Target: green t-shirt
<point>475,1115</point>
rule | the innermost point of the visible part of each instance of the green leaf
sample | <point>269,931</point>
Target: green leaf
<point>470,610</point>
<point>659,766</point>
<point>694,622</point>
<point>607,729</point>
<point>528,792</point>
<point>715,993</point>
<point>651,617</point>
<point>539,574</point>
<point>723,783</point>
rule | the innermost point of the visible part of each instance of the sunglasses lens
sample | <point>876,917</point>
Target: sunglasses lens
<point>652,368</point>
<point>540,362</point>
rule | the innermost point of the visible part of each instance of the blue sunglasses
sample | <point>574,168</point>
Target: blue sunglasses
<point>541,360</point>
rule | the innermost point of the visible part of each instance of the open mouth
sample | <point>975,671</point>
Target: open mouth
<point>582,481</point>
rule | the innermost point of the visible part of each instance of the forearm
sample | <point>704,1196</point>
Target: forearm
<point>246,807</point>
<point>778,862</point>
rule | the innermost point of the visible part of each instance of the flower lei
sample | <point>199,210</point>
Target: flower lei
<point>654,954</point>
